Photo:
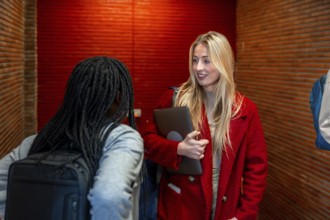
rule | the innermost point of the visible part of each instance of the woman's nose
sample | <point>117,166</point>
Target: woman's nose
<point>199,65</point>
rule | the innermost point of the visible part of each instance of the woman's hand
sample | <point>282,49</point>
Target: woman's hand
<point>191,147</point>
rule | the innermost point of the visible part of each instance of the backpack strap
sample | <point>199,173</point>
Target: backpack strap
<point>176,90</point>
<point>323,79</point>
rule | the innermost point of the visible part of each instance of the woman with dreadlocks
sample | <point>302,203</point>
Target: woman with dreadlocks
<point>98,98</point>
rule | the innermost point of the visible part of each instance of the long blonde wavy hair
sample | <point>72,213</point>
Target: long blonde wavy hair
<point>227,101</point>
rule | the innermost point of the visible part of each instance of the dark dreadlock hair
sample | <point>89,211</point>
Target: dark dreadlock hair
<point>84,120</point>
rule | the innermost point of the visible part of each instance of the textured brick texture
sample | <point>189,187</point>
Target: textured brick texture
<point>30,69</point>
<point>13,114</point>
<point>282,48</point>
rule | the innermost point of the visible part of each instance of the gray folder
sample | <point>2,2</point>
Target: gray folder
<point>174,124</point>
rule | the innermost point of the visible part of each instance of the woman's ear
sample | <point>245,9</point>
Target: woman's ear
<point>114,105</point>
<point>117,99</point>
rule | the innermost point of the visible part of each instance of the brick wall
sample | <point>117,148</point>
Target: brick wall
<point>15,95</point>
<point>11,73</point>
<point>282,48</point>
<point>30,69</point>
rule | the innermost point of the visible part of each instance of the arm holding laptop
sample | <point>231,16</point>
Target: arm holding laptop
<point>168,153</point>
<point>192,147</point>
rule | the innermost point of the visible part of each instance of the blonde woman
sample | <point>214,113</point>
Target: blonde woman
<point>228,140</point>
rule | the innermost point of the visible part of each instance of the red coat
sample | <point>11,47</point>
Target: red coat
<point>242,178</point>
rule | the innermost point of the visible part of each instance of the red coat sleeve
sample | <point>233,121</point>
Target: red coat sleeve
<point>158,148</point>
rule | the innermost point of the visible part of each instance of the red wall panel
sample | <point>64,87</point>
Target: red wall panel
<point>151,37</point>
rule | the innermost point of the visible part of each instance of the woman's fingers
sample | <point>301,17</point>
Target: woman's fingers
<point>193,134</point>
<point>203,142</point>
<point>192,147</point>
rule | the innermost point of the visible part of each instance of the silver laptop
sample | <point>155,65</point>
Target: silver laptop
<point>174,124</point>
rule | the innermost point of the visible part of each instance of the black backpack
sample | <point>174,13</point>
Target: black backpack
<point>49,186</point>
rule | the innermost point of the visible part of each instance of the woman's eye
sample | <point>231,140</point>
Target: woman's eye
<point>207,61</point>
<point>195,60</point>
